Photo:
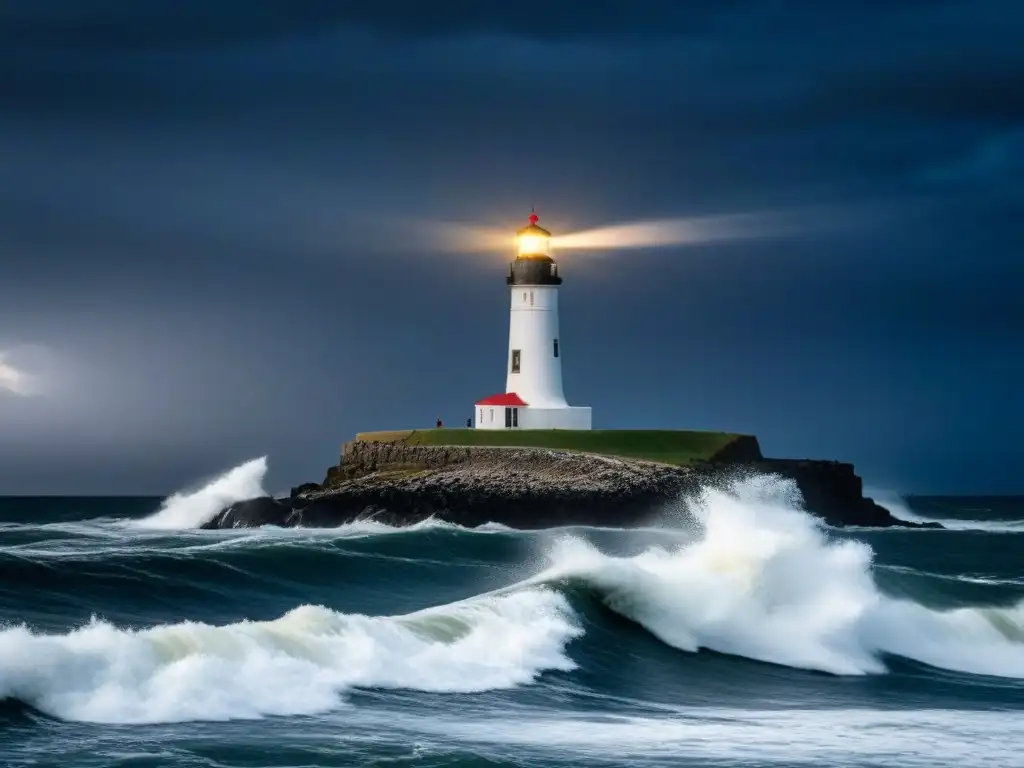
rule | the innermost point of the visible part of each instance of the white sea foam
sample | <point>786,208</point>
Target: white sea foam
<point>765,581</point>
<point>899,509</point>
<point>191,509</point>
<point>106,539</point>
<point>957,577</point>
<point>300,663</point>
<point>813,737</point>
<point>760,579</point>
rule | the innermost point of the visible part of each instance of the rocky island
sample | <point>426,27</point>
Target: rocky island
<point>545,478</point>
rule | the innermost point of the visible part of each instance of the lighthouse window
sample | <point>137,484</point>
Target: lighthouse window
<point>556,347</point>
<point>515,360</point>
<point>554,269</point>
<point>531,298</point>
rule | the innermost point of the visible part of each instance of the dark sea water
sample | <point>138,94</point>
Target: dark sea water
<point>734,631</point>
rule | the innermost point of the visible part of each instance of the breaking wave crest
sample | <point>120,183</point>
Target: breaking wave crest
<point>298,664</point>
<point>765,581</point>
<point>191,509</point>
<point>899,509</point>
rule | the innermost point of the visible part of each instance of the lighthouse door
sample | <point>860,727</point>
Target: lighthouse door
<point>511,418</point>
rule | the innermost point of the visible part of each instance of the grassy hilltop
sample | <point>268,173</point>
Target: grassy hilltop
<point>663,445</point>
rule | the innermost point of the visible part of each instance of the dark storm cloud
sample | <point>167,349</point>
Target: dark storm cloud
<point>207,209</point>
<point>117,24</point>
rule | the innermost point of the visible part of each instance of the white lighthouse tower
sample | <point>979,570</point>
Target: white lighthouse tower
<point>533,397</point>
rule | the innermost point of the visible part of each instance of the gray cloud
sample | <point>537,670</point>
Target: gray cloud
<point>160,25</point>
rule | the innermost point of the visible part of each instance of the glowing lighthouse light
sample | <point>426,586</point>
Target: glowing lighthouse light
<point>533,241</point>
<point>533,396</point>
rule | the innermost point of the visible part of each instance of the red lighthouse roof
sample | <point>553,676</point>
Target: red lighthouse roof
<point>507,399</point>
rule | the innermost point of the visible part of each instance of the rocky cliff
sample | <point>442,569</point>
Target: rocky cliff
<point>403,484</point>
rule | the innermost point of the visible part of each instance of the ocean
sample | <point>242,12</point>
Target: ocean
<point>734,631</point>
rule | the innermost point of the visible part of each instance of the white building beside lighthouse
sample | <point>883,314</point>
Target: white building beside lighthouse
<point>533,396</point>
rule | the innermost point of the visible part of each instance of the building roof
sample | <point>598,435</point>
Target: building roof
<point>533,228</point>
<point>504,398</point>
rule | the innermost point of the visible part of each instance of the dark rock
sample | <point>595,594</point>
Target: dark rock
<point>301,490</point>
<point>831,490</point>
<point>745,448</point>
<point>299,496</point>
<point>253,513</point>
<point>398,484</point>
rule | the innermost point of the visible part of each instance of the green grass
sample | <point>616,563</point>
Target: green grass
<point>664,445</point>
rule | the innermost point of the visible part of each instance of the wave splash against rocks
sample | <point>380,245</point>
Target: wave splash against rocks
<point>399,484</point>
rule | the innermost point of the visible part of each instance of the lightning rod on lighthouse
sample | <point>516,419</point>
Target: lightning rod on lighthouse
<point>533,397</point>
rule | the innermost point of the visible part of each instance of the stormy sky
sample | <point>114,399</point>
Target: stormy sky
<point>221,227</point>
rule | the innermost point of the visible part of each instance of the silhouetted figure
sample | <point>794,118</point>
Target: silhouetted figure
<point>439,423</point>
<point>469,423</point>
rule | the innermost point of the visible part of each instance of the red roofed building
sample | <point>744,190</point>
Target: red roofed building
<point>533,397</point>
<point>499,411</point>
<point>506,399</point>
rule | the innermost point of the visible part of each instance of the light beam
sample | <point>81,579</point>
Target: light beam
<point>705,229</point>
<point>454,237</point>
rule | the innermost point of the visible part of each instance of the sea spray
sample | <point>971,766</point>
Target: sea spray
<point>765,581</point>
<point>191,509</point>
<point>899,509</point>
<point>709,735</point>
<point>759,578</point>
<point>298,664</point>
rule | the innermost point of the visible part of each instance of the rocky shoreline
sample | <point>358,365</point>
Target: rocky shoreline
<point>399,484</point>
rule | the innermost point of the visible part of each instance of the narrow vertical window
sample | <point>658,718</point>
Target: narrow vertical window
<point>524,297</point>
<point>515,360</point>
<point>515,417</point>
<point>531,298</point>
<point>481,415</point>
<point>556,347</point>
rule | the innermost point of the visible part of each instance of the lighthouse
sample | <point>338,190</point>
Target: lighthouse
<point>533,396</point>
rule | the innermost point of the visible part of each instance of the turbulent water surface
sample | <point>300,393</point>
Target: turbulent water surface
<point>735,632</point>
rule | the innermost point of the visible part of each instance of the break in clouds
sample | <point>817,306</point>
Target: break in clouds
<point>26,371</point>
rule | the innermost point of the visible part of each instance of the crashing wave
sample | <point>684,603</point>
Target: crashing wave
<point>765,581</point>
<point>300,663</point>
<point>191,509</point>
